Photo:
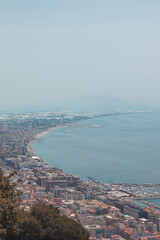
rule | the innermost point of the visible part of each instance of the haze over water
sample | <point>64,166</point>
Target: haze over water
<point>124,149</point>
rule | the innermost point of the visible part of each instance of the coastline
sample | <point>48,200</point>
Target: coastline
<point>64,156</point>
<point>47,183</point>
<point>29,149</point>
<point>44,132</point>
<point>39,135</point>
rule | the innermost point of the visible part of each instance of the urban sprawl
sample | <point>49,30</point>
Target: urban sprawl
<point>106,210</point>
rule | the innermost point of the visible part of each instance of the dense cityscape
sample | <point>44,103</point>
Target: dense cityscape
<point>106,210</point>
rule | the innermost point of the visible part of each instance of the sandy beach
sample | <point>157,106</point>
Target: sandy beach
<point>39,135</point>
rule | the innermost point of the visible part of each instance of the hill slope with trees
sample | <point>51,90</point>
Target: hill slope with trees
<point>42,222</point>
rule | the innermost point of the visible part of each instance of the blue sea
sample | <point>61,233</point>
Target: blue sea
<point>124,149</point>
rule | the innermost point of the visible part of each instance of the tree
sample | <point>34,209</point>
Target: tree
<point>44,222</point>
<point>9,207</point>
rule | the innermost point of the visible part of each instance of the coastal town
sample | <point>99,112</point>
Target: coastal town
<point>107,210</point>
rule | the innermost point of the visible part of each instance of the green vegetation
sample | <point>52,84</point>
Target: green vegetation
<point>9,207</point>
<point>46,223</point>
<point>42,222</point>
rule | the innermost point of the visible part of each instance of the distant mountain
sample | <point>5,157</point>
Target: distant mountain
<point>98,104</point>
<point>84,104</point>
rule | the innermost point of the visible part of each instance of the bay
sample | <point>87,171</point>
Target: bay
<point>124,149</point>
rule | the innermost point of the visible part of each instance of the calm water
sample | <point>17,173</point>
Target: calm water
<point>155,201</point>
<point>126,148</point>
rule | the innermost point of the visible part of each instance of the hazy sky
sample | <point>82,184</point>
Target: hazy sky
<point>53,50</point>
